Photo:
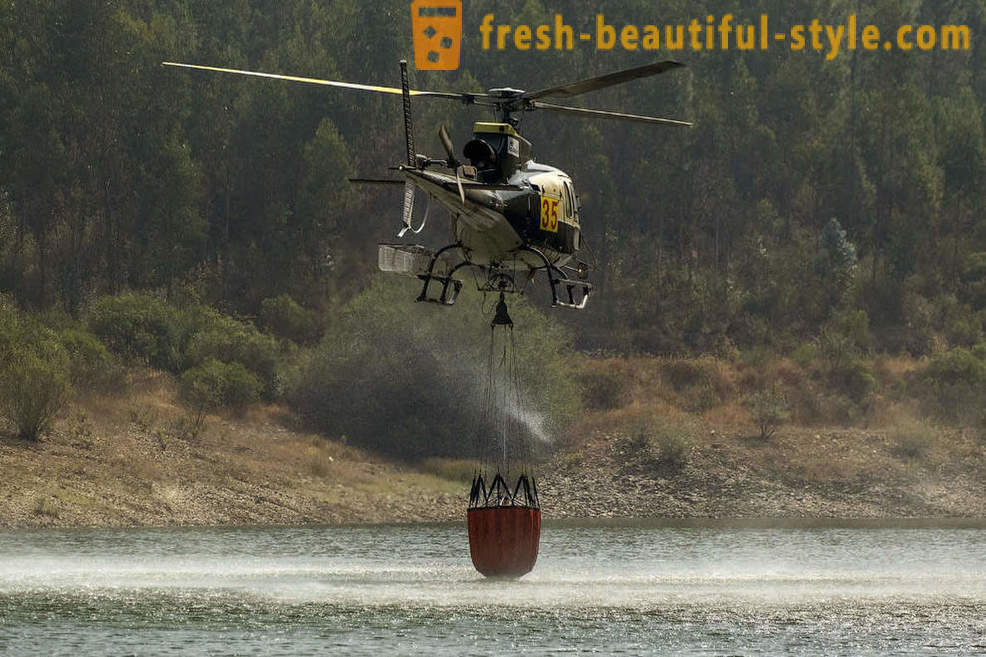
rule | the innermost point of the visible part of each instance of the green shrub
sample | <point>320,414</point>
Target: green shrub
<point>34,386</point>
<point>34,372</point>
<point>853,326</point>
<point>853,378</point>
<point>953,386</point>
<point>975,267</point>
<point>836,349</point>
<point>805,354</point>
<point>408,379</point>
<point>231,341</point>
<point>657,448</point>
<point>979,351</point>
<point>964,331</point>
<point>912,439</point>
<point>12,331</point>
<point>958,366</point>
<point>141,328</point>
<point>215,384</point>
<point>756,357</point>
<point>673,450</point>
<point>91,365</point>
<point>842,343</point>
<point>769,409</point>
<point>285,318</point>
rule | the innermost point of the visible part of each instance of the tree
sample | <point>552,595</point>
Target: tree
<point>835,260</point>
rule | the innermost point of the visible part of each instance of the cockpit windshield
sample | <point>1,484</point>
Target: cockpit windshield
<point>496,142</point>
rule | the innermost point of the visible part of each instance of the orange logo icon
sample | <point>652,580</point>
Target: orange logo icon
<point>437,26</point>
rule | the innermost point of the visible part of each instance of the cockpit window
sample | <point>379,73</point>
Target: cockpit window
<point>486,153</point>
<point>496,142</point>
<point>569,201</point>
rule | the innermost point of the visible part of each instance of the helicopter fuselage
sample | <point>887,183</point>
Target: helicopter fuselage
<point>505,208</point>
<point>535,207</point>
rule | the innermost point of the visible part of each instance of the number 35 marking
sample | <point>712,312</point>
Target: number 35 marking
<point>549,214</point>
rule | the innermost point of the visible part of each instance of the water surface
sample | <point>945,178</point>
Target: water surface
<point>627,588</point>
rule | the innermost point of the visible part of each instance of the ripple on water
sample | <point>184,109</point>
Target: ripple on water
<point>609,590</point>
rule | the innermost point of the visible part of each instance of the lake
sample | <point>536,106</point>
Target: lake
<point>701,588</point>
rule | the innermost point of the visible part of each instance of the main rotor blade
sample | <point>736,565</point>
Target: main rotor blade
<point>443,136</point>
<point>603,81</point>
<point>465,97</point>
<point>375,181</point>
<point>602,114</point>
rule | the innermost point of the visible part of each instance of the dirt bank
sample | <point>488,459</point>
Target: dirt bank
<point>802,473</point>
<point>132,462</point>
<point>135,461</point>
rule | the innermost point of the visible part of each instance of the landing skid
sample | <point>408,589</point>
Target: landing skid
<point>576,292</point>
<point>450,286</point>
<point>556,278</point>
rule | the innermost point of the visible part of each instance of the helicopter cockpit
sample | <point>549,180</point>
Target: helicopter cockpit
<point>482,154</point>
<point>497,151</point>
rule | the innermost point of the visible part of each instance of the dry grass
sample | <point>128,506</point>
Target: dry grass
<point>321,463</point>
<point>897,367</point>
<point>45,506</point>
<point>888,414</point>
<point>458,470</point>
<point>329,459</point>
<point>828,470</point>
<point>729,417</point>
<point>696,385</point>
<point>876,450</point>
<point>127,461</point>
<point>913,439</point>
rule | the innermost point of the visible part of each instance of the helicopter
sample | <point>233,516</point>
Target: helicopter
<point>510,217</point>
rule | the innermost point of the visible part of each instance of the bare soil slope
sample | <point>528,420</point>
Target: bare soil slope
<point>134,461</point>
<point>125,462</point>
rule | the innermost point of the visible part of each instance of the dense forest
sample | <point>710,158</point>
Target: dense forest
<point>808,189</point>
<point>202,224</point>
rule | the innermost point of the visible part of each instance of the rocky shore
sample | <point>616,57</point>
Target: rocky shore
<point>106,466</point>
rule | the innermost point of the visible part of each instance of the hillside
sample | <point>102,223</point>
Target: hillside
<point>130,461</point>
<point>681,442</point>
<point>813,250</point>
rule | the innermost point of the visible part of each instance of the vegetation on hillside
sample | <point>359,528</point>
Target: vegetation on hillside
<point>821,219</point>
<point>808,187</point>
<point>409,380</point>
<point>402,379</point>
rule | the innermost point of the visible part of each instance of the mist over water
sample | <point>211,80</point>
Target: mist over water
<point>382,590</point>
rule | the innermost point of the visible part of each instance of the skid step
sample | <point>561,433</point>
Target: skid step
<point>450,290</point>
<point>572,299</point>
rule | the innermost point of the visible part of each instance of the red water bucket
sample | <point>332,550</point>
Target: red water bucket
<point>504,541</point>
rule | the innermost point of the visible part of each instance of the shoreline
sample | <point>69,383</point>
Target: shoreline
<point>753,524</point>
